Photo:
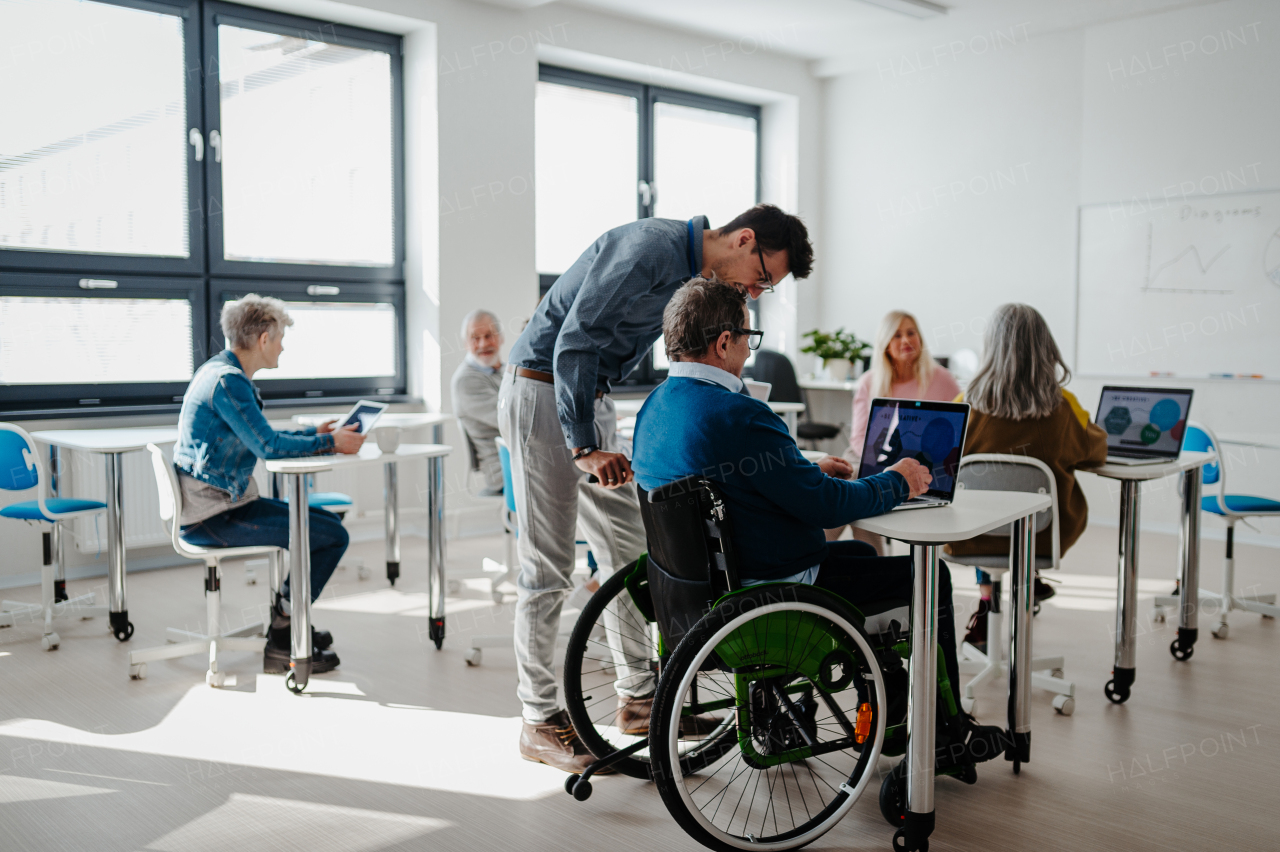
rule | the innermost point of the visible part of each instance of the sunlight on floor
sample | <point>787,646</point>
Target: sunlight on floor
<point>16,788</point>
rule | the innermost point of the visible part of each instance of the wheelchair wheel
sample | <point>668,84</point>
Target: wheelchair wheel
<point>807,691</point>
<point>614,644</point>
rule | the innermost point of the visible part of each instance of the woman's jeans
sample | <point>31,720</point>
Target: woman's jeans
<point>854,572</point>
<point>266,522</point>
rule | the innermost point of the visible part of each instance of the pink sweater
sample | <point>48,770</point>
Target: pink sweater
<point>942,388</point>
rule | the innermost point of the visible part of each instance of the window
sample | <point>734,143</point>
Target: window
<point>611,151</point>
<point>138,132</point>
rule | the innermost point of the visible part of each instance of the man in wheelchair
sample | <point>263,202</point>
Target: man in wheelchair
<point>701,422</point>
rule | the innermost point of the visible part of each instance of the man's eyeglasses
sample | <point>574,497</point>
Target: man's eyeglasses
<point>754,337</point>
<point>766,280</point>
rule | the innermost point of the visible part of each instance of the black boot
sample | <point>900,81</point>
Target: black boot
<point>321,640</point>
<point>275,657</point>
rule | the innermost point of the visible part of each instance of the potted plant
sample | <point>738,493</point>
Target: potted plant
<point>838,351</point>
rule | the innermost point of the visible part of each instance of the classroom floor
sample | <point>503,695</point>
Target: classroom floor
<point>407,748</point>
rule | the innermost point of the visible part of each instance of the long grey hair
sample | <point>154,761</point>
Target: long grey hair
<point>1022,370</point>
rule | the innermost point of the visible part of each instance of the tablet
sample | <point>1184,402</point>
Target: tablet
<point>365,413</point>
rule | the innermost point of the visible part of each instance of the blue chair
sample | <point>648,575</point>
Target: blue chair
<point>1232,508</point>
<point>22,470</point>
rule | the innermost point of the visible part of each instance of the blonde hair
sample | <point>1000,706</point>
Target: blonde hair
<point>244,320</point>
<point>1022,372</point>
<point>882,372</point>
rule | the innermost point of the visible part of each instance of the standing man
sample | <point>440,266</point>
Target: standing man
<point>474,389</point>
<point>594,326</point>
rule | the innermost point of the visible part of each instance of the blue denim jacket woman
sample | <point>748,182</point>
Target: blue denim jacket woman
<point>222,433</point>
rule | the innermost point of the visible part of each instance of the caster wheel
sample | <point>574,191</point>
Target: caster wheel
<point>966,704</point>
<point>1064,704</point>
<point>50,642</point>
<point>363,573</point>
<point>582,789</point>
<point>1180,651</point>
<point>215,679</point>
<point>1116,696</point>
<point>1221,631</point>
<point>900,842</point>
<point>1058,673</point>
<point>893,798</point>
<point>473,657</point>
<point>123,635</point>
<point>1035,609</point>
<point>292,684</point>
<point>138,671</point>
<point>1158,616</point>
<point>497,596</point>
<point>455,587</point>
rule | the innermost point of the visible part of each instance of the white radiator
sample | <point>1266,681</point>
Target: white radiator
<point>85,476</point>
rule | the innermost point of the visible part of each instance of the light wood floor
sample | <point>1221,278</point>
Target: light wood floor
<point>406,748</point>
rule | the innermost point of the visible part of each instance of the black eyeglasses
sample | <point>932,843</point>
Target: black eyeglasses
<point>754,337</point>
<point>766,280</point>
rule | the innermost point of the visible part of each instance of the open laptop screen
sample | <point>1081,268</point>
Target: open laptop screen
<point>1144,421</point>
<point>932,433</point>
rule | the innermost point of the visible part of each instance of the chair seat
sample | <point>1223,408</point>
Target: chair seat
<point>817,431</point>
<point>1241,504</point>
<point>195,551</point>
<point>328,498</point>
<point>994,562</point>
<point>59,507</point>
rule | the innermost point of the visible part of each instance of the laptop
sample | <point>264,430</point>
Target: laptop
<point>932,433</point>
<point>1143,425</point>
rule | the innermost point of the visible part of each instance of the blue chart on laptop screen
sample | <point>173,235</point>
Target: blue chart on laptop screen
<point>1144,420</point>
<point>930,437</point>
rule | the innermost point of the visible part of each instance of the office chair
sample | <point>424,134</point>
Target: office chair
<point>776,369</point>
<point>21,470</point>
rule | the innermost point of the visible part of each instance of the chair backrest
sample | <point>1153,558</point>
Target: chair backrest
<point>776,369</point>
<point>1199,438</point>
<point>504,456</point>
<point>20,466</point>
<point>170,499</point>
<point>691,557</point>
<point>1001,472</point>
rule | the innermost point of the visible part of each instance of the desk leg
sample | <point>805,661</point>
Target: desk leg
<point>791,420</point>
<point>1022,550</point>
<point>437,433</point>
<point>56,540</point>
<point>435,551</point>
<point>117,602</point>
<point>1123,673</point>
<point>922,683</point>
<point>1189,546</point>
<point>392,520</point>
<point>299,582</point>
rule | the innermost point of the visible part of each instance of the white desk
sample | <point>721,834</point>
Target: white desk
<point>391,473</point>
<point>925,530</point>
<point>112,444</point>
<point>788,411</point>
<point>1189,464</point>
<point>295,472</point>
<point>827,385</point>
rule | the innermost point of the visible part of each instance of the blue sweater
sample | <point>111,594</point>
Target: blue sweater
<point>779,503</point>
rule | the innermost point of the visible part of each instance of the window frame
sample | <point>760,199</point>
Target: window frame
<point>309,391</point>
<point>17,259</point>
<point>645,375</point>
<point>122,397</point>
<point>216,13</point>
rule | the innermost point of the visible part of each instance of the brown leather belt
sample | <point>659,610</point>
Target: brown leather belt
<point>538,376</point>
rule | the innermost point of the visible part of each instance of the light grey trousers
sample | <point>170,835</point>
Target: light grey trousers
<point>553,500</point>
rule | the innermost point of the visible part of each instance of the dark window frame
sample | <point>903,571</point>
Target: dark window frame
<point>645,375</point>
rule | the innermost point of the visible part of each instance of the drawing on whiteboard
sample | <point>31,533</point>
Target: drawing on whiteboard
<point>1154,273</point>
<point>1271,259</point>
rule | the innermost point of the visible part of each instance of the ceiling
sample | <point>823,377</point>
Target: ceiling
<point>846,35</point>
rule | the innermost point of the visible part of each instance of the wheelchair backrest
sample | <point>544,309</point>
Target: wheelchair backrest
<point>691,557</point>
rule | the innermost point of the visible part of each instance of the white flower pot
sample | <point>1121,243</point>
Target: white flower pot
<point>839,369</point>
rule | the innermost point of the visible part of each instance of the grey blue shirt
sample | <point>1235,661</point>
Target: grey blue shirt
<point>603,314</point>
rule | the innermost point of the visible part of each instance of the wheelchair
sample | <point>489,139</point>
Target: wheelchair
<point>771,703</point>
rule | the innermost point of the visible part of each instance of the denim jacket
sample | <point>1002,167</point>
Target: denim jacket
<point>222,432</point>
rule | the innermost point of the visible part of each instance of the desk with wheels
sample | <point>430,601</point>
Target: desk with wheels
<point>926,530</point>
<point>1189,465</point>
<point>111,444</point>
<point>391,518</point>
<point>295,472</point>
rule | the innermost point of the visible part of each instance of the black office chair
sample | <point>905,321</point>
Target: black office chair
<point>776,369</point>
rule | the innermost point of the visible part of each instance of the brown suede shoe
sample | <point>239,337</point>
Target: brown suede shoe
<point>633,717</point>
<point>555,743</point>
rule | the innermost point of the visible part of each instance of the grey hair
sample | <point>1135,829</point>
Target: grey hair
<point>478,313</point>
<point>882,370</point>
<point>244,320</point>
<point>1022,372</point>
<point>698,313</point>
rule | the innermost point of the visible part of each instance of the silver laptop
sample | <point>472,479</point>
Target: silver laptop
<point>932,433</point>
<point>1143,425</point>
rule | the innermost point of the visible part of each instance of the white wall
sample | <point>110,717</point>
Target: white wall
<point>952,190</point>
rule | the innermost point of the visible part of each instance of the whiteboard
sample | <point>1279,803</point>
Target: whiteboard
<point>1182,286</point>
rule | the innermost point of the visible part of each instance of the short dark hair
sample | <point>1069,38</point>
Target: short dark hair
<point>698,314</point>
<point>777,231</point>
